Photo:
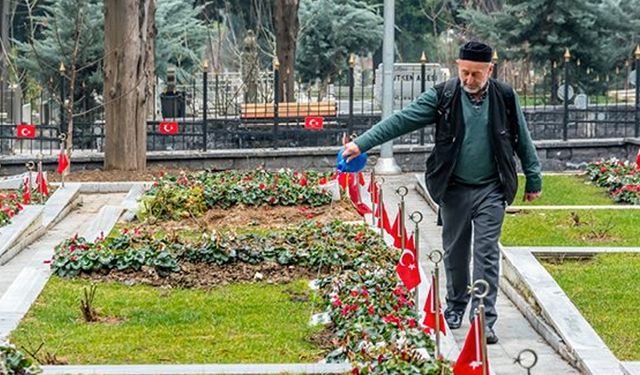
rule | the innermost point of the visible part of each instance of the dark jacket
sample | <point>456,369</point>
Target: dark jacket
<point>450,133</point>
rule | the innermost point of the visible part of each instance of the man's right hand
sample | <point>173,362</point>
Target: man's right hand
<point>351,150</point>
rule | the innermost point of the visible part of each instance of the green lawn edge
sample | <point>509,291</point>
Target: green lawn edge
<point>237,323</point>
<point>606,290</point>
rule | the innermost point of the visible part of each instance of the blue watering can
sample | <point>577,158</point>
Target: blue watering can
<point>355,165</point>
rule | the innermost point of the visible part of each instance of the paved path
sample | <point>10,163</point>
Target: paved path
<point>41,249</point>
<point>512,327</point>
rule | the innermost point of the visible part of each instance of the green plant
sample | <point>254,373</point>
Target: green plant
<point>9,207</point>
<point>14,362</point>
<point>179,197</point>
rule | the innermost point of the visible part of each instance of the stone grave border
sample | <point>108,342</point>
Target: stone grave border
<point>23,292</point>
<point>30,223</point>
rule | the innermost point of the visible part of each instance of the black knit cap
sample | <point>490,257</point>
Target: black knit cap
<point>476,51</point>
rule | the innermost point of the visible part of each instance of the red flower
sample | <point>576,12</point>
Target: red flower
<point>262,186</point>
<point>354,293</point>
<point>309,215</point>
<point>603,169</point>
<point>412,323</point>
<point>365,293</point>
<point>322,181</point>
<point>272,200</point>
<point>370,310</point>
<point>336,302</point>
<point>303,181</point>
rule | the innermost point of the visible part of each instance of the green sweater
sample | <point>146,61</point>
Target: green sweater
<point>475,164</point>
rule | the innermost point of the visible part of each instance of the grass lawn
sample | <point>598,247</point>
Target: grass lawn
<point>241,323</point>
<point>565,190</point>
<point>612,309</point>
<point>564,228</point>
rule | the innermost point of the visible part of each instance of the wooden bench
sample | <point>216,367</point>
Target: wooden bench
<point>309,109</point>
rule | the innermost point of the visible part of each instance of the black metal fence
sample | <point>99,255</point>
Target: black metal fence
<point>212,110</point>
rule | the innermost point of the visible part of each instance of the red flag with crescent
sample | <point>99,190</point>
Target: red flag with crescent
<point>314,123</point>
<point>470,359</point>
<point>430,311</point>
<point>638,159</point>
<point>168,127</point>
<point>407,269</point>
<point>26,131</point>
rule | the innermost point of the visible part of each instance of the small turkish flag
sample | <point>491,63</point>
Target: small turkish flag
<point>407,269</point>
<point>430,311</point>
<point>638,159</point>
<point>26,131</point>
<point>41,181</point>
<point>470,359</point>
<point>168,127</point>
<point>314,123</point>
<point>63,162</point>
<point>26,190</point>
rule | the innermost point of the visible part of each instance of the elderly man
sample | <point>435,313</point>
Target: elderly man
<point>471,172</point>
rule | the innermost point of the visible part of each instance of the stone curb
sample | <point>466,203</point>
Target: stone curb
<point>60,203</point>
<point>108,187</point>
<point>23,229</point>
<point>328,368</point>
<point>130,202</point>
<point>593,356</point>
<point>104,221</point>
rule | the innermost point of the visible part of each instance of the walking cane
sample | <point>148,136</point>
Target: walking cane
<point>436,257</point>
<point>480,289</point>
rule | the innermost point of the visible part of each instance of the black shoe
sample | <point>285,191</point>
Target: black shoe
<point>491,336</point>
<point>453,318</point>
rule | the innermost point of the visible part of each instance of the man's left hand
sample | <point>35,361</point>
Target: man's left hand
<point>529,197</point>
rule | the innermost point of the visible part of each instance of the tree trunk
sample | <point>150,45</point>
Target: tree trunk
<point>129,32</point>
<point>285,24</point>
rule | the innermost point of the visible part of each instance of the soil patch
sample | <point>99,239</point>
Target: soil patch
<point>206,276</point>
<point>265,216</point>
<point>105,176</point>
<point>325,339</point>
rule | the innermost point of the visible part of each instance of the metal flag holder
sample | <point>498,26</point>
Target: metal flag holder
<point>527,359</point>
<point>380,206</point>
<point>63,138</point>
<point>372,187</point>
<point>436,257</point>
<point>479,290</point>
<point>30,165</point>
<point>416,217</point>
<point>402,191</point>
<point>41,198</point>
